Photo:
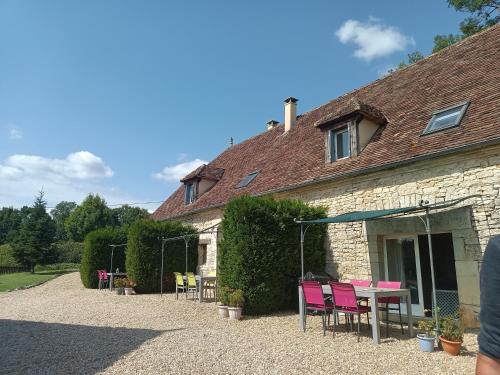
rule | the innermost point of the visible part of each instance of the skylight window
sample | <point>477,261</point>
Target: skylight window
<point>247,179</point>
<point>446,118</point>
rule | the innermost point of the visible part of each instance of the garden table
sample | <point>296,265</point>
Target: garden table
<point>111,276</point>
<point>373,294</point>
<point>200,281</point>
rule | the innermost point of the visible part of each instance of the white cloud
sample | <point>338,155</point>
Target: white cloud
<point>80,165</point>
<point>178,171</point>
<point>14,132</point>
<point>373,38</point>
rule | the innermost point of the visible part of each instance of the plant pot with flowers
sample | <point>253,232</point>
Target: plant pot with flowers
<point>452,335</point>
<point>129,287</point>
<point>236,301</point>
<point>119,285</point>
<point>224,302</point>
<point>428,338</point>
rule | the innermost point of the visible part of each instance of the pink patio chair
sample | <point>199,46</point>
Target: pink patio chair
<point>390,301</point>
<point>315,302</point>
<point>346,302</point>
<point>366,284</point>
<point>105,280</point>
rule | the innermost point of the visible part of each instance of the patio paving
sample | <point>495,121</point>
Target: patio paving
<point>60,327</point>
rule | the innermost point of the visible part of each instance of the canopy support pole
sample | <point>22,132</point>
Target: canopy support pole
<point>162,251</point>
<point>431,260</point>
<point>302,234</point>
<point>186,241</point>
<point>427,225</point>
<point>112,251</point>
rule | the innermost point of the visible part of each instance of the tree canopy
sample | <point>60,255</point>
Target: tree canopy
<point>60,213</point>
<point>36,233</point>
<point>92,214</point>
<point>128,215</point>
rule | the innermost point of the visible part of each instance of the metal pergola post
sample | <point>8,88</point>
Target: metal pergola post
<point>431,260</point>
<point>162,251</point>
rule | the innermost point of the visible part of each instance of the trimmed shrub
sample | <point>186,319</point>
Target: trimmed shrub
<point>97,254</point>
<point>260,250</point>
<point>7,256</point>
<point>144,253</point>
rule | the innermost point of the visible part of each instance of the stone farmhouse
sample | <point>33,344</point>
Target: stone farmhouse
<point>430,131</point>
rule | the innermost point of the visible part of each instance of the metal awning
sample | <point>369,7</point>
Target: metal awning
<point>375,214</point>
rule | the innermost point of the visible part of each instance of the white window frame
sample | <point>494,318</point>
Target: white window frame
<point>192,193</point>
<point>333,143</point>
<point>428,128</point>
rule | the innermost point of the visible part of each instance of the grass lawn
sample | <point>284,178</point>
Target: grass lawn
<point>13,281</point>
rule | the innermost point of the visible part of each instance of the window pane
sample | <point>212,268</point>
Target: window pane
<point>342,142</point>
<point>446,119</point>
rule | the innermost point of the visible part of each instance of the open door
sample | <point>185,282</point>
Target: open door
<point>402,263</point>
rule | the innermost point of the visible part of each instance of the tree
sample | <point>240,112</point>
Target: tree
<point>60,213</point>
<point>36,234</point>
<point>127,215</point>
<point>92,214</point>
<point>484,13</point>
<point>412,58</point>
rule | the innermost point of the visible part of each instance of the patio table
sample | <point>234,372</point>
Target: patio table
<point>200,280</point>
<point>373,294</point>
<point>111,276</point>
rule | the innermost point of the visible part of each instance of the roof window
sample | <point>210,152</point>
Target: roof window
<point>247,179</point>
<point>446,118</point>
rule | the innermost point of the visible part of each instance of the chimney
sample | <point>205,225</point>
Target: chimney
<point>271,124</point>
<point>290,113</point>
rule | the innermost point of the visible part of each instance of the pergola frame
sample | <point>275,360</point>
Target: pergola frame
<point>423,206</point>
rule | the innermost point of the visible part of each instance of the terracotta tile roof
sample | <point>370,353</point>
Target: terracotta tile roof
<point>466,71</point>
<point>353,107</point>
<point>205,171</point>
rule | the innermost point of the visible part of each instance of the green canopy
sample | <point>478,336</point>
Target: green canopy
<point>361,215</point>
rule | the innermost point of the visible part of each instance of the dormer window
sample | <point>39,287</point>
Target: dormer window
<point>446,118</point>
<point>349,129</point>
<point>340,144</point>
<point>189,192</point>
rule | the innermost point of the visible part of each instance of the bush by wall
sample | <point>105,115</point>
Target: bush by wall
<point>260,250</point>
<point>143,256</point>
<point>97,254</point>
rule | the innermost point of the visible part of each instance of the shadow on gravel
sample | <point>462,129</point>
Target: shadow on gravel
<point>53,348</point>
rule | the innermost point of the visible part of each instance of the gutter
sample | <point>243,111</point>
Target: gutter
<point>356,173</point>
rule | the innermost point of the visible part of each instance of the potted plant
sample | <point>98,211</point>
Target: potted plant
<point>236,301</point>
<point>452,335</point>
<point>119,285</point>
<point>129,286</point>
<point>427,338</point>
<point>224,302</point>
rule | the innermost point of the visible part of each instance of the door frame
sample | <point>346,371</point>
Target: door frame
<point>417,310</point>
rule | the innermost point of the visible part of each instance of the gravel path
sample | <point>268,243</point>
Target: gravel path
<point>62,328</point>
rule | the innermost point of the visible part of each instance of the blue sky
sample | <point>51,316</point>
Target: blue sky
<point>122,97</point>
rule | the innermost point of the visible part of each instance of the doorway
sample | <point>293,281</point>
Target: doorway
<point>406,259</point>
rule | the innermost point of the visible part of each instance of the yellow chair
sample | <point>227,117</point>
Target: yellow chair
<point>192,286</point>
<point>179,284</point>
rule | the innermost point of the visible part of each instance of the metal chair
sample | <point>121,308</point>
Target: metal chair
<point>179,284</point>
<point>390,301</point>
<point>192,285</point>
<point>315,303</point>
<point>346,302</point>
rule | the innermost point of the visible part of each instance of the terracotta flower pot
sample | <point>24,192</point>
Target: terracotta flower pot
<point>450,347</point>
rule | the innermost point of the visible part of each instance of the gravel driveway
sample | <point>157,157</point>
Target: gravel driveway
<point>62,328</point>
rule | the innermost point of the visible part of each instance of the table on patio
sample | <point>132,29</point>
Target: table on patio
<point>200,280</point>
<point>373,294</point>
<point>111,276</point>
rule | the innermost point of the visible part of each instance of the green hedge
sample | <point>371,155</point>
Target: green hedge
<point>260,250</point>
<point>97,254</point>
<point>144,253</point>
<point>57,267</point>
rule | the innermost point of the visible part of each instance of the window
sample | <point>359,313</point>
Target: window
<point>247,179</point>
<point>189,193</point>
<point>202,254</point>
<point>340,144</point>
<point>446,118</point>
